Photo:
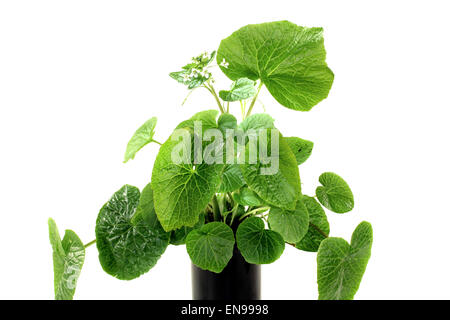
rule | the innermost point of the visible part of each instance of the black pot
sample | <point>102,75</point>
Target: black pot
<point>238,281</point>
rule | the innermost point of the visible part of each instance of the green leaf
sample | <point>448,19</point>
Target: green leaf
<point>340,266</point>
<point>128,249</point>
<point>257,121</point>
<point>140,138</point>
<point>181,190</point>
<point>178,237</point>
<point>258,245</point>
<point>226,121</point>
<point>211,246</point>
<point>68,259</point>
<point>247,197</point>
<point>335,194</point>
<point>207,118</point>
<point>291,224</point>
<point>241,89</point>
<point>232,178</point>
<point>289,60</point>
<point>318,230</point>
<point>300,148</point>
<point>280,189</point>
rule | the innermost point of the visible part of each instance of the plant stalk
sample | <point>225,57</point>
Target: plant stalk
<point>90,243</point>
<point>254,100</point>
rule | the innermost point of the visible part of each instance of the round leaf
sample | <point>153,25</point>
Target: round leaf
<point>128,249</point>
<point>291,224</point>
<point>318,230</point>
<point>211,246</point>
<point>289,60</point>
<point>256,244</point>
<point>340,266</point>
<point>226,121</point>
<point>335,194</point>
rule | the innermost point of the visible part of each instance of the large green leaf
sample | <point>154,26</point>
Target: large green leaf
<point>232,178</point>
<point>211,246</point>
<point>300,148</point>
<point>140,138</point>
<point>182,190</point>
<point>282,187</point>
<point>241,89</point>
<point>291,224</point>
<point>318,230</point>
<point>340,266</point>
<point>335,194</point>
<point>289,60</point>
<point>258,245</point>
<point>68,259</point>
<point>127,248</point>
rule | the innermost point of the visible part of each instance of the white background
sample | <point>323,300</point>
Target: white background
<point>78,77</point>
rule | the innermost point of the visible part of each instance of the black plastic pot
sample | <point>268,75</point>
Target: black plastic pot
<point>238,281</point>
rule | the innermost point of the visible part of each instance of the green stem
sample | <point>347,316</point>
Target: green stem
<point>157,142</point>
<point>254,211</point>
<point>90,243</point>
<point>210,88</point>
<point>216,210</point>
<point>254,100</point>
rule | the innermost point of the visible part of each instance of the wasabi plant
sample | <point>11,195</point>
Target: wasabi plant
<point>217,183</point>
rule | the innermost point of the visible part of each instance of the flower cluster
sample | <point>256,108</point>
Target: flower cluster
<point>195,73</point>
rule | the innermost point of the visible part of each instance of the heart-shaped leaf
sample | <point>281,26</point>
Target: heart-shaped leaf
<point>278,181</point>
<point>300,148</point>
<point>211,246</point>
<point>318,230</point>
<point>291,224</point>
<point>289,60</point>
<point>129,248</point>
<point>256,244</point>
<point>341,266</point>
<point>335,194</point>
<point>68,259</point>
<point>241,89</point>
<point>140,138</point>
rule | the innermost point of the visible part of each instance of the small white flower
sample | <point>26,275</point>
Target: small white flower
<point>224,64</point>
<point>186,77</point>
